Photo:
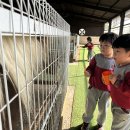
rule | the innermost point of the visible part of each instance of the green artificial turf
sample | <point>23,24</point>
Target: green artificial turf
<point>80,82</point>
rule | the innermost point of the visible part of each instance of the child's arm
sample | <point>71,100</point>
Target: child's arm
<point>91,68</point>
<point>86,45</point>
<point>86,73</point>
<point>124,86</point>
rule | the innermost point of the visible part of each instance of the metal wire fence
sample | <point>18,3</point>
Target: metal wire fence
<point>34,56</point>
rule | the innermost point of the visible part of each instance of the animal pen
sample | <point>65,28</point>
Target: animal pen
<point>34,55</point>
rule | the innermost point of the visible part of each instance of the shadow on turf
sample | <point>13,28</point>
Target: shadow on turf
<point>79,127</point>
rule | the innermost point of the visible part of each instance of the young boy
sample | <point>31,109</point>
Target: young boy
<point>120,84</point>
<point>98,91</point>
<point>89,45</point>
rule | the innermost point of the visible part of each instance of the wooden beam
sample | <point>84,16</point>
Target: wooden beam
<point>89,5</point>
<point>71,13</point>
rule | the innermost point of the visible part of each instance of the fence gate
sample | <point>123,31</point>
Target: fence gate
<point>34,55</point>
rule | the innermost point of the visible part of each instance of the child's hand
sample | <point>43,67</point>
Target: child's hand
<point>112,78</point>
<point>86,73</point>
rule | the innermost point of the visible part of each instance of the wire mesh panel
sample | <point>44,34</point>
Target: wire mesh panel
<point>34,55</point>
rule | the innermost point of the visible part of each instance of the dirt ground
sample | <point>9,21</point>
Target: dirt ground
<point>67,108</point>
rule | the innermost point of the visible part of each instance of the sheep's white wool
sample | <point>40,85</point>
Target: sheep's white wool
<point>32,64</point>
<point>23,61</point>
<point>2,102</point>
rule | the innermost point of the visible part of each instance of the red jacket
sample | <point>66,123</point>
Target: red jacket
<point>89,46</point>
<point>120,91</point>
<point>97,65</point>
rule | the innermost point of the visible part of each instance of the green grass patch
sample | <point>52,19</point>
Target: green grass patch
<point>80,82</point>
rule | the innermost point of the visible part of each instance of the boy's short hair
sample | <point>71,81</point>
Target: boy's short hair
<point>89,39</point>
<point>122,42</point>
<point>108,37</point>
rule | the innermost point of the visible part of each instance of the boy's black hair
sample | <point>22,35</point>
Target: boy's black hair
<point>122,42</point>
<point>108,37</point>
<point>89,39</point>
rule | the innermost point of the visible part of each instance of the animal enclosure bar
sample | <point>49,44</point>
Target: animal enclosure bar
<point>34,56</point>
